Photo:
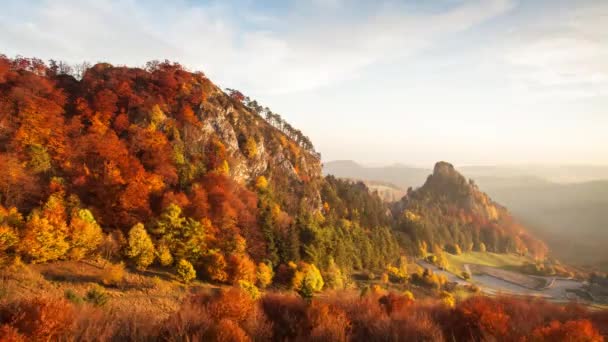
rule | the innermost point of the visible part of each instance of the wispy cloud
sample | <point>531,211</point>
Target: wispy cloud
<point>284,52</point>
<point>564,55</point>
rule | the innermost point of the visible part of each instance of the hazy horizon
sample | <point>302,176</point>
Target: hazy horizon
<point>467,81</point>
<point>430,165</point>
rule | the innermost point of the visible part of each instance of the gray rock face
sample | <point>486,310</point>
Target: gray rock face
<point>232,124</point>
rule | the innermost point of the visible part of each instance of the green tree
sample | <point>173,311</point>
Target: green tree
<point>184,237</point>
<point>334,279</point>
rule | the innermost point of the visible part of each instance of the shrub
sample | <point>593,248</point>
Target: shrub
<point>38,319</point>
<point>408,295</point>
<point>447,299</point>
<point>227,330</point>
<point>306,291</point>
<point>479,318</point>
<point>384,279</point>
<point>574,330</point>
<point>113,274</point>
<point>97,296</point>
<point>393,302</point>
<point>73,297</point>
<point>328,322</point>
<point>249,288</point>
<point>185,271</point>
<point>261,183</point>
<point>10,334</point>
<point>287,313</point>
<point>453,249</point>
<point>429,279</point>
<point>417,326</point>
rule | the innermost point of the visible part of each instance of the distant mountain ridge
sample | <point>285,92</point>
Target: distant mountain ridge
<point>568,216</point>
<point>451,211</point>
<point>400,175</point>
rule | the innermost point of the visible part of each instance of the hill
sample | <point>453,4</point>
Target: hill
<point>158,167</point>
<point>400,175</point>
<point>569,217</point>
<point>563,205</point>
<point>450,211</point>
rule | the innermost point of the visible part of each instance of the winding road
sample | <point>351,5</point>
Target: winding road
<point>556,290</point>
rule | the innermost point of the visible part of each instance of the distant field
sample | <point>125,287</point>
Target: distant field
<point>457,262</point>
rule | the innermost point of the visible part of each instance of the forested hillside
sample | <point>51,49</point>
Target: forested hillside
<point>454,214</point>
<point>158,166</point>
<point>146,204</point>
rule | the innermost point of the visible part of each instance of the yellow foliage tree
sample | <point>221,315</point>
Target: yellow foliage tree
<point>8,239</point>
<point>264,275</point>
<point>241,267</point>
<point>141,248</point>
<point>185,271</point>
<point>164,255</point>
<point>84,233</point>
<point>307,275</point>
<point>215,266</point>
<point>42,240</point>
<point>447,299</point>
<point>223,168</point>
<point>250,289</point>
<point>261,183</point>
<point>251,148</point>
<point>157,116</point>
<point>113,274</point>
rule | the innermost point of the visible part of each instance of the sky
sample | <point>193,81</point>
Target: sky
<point>379,82</point>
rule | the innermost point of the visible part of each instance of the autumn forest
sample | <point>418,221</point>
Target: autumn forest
<point>146,203</point>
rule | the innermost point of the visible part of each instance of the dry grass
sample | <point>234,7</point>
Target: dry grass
<point>150,307</point>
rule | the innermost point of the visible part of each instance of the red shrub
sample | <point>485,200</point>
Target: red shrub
<point>287,313</point>
<point>576,330</point>
<point>393,302</point>
<point>327,323</point>
<point>228,331</point>
<point>39,318</point>
<point>477,318</point>
<point>10,334</point>
<point>413,326</point>
<point>369,321</point>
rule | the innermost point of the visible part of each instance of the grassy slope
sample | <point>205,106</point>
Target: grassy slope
<point>504,261</point>
<point>155,292</point>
